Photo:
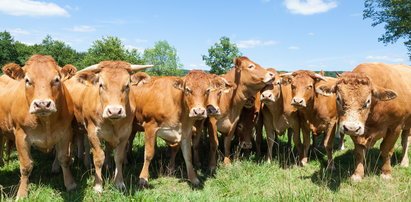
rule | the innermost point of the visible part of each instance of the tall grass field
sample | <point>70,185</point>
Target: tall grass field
<point>248,178</point>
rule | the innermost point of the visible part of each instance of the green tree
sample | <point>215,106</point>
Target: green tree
<point>24,52</point>
<point>61,52</point>
<point>221,55</point>
<point>8,52</point>
<point>165,59</point>
<point>110,48</point>
<point>396,14</point>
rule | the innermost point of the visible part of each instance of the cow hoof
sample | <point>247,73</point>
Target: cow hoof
<point>195,182</point>
<point>404,164</point>
<point>212,169</point>
<point>55,169</point>
<point>386,176</point>
<point>227,162</point>
<point>21,195</point>
<point>356,178</point>
<point>303,163</point>
<point>98,189</point>
<point>121,186</point>
<point>142,183</point>
<point>71,187</point>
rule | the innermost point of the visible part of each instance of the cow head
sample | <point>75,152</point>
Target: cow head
<point>272,92</point>
<point>355,97</point>
<point>43,79</point>
<point>196,87</point>
<point>302,87</point>
<point>113,80</point>
<point>252,75</point>
<point>219,85</point>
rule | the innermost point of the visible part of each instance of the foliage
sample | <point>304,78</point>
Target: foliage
<point>8,52</point>
<point>164,57</point>
<point>396,14</point>
<point>221,55</point>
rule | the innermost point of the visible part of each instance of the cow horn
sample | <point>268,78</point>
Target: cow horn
<point>140,67</point>
<point>338,74</point>
<point>90,68</point>
<point>318,76</point>
<point>286,74</point>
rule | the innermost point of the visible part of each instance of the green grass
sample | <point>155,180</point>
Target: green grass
<point>248,179</point>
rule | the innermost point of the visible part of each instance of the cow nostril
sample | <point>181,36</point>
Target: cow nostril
<point>270,95</point>
<point>119,111</point>
<point>108,111</point>
<point>48,104</point>
<point>36,104</point>
<point>358,129</point>
<point>345,128</point>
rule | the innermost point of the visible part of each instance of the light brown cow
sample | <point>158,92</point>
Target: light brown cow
<point>246,79</point>
<point>373,103</point>
<point>106,112</point>
<point>168,107</point>
<point>39,113</point>
<point>278,113</point>
<point>318,113</point>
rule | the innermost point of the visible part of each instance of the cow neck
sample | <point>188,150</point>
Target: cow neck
<point>277,108</point>
<point>309,112</point>
<point>236,96</point>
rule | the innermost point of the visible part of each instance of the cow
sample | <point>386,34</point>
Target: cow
<point>278,113</point>
<point>167,107</point>
<point>317,113</point>
<point>245,80</point>
<point>104,108</point>
<point>373,103</point>
<point>38,113</point>
<point>247,122</point>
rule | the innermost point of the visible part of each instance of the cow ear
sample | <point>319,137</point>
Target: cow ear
<point>178,83</point>
<point>140,78</point>
<point>287,78</point>
<point>14,71</point>
<point>87,77</point>
<point>68,71</point>
<point>325,90</point>
<point>383,94</point>
<point>237,62</point>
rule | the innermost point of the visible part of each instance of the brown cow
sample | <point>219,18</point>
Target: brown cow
<point>39,113</point>
<point>246,80</point>
<point>373,103</point>
<point>318,113</point>
<point>248,120</point>
<point>278,113</point>
<point>168,107</point>
<point>106,112</point>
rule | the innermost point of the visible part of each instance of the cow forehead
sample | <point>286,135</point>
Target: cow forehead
<point>354,93</point>
<point>302,79</point>
<point>197,80</point>
<point>41,70</point>
<point>114,75</point>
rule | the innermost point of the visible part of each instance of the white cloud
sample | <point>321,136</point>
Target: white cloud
<point>18,31</point>
<point>311,33</point>
<point>293,48</point>
<point>386,58</point>
<point>75,8</point>
<point>198,66</point>
<point>31,8</point>
<point>82,28</point>
<point>141,41</point>
<point>309,7</point>
<point>254,43</point>
<point>131,47</point>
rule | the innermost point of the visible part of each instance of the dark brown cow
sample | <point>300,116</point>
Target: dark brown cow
<point>39,113</point>
<point>247,122</point>
<point>104,109</point>
<point>246,80</point>
<point>373,103</point>
<point>278,113</point>
<point>318,113</point>
<point>168,107</point>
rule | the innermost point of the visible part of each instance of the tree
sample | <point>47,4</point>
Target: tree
<point>61,52</point>
<point>396,14</point>
<point>221,55</point>
<point>8,52</point>
<point>165,59</point>
<point>110,48</point>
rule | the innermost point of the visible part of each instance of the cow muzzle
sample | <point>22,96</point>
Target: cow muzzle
<point>198,112</point>
<point>267,97</point>
<point>42,107</point>
<point>213,110</point>
<point>299,102</point>
<point>269,78</point>
<point>246,145</point>
<point>352,128</point>
<point>114,112</point>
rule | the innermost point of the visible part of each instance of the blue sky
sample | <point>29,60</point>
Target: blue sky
<point>283,34</point>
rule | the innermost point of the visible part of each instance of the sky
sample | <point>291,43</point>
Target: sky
<point>281,34</point>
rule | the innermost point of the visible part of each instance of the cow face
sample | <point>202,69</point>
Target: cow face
<point>271,92</point>
<point>355,97</point>
<point>112,78</point>
<point>252,74</point>
<point>219,85</point>
<point>196,87</point>
<point>42,78</point>
<point>302,87</point>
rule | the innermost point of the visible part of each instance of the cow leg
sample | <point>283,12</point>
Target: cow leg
<point>63,156</point>
<point>186,149</point>
<point>173,153</point>
<point>306,146</point>
<point>328,144</point>
<point>78,139</point>
<point>405,142</point>
<point>212,134</point>
<point>108,158</point>
<point>358,174</point>
<point>98,157</point>
<point>10,144</point>
<point>149,149</point>
<point>55,168</point>
<point>289,136</point>
<point>341,143</point>
<point>1,149</point>
<point>259,134</point>
<point>119,155</point>
<point>26,163</point>
<point>387,149</point>
<point>196,145</point>
<point>87,156</point>
<point>270,141</point>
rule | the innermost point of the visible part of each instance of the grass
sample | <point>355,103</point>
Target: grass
<point>248,179</point>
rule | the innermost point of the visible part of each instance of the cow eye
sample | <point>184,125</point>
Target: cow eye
<point>28,82</point>
<point>127,87</point>
<point>188,91</point>
<point>207,91</point>
<point>367,103</point>
<point>292,86</point>
<point>310,86</point>
<point>101,86</point>
<point>251,67</point>
<point>56,81</point>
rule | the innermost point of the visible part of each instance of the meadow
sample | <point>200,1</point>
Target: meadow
<point>248,179</point>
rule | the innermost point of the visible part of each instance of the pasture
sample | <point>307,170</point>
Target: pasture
<point>248,179</point>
